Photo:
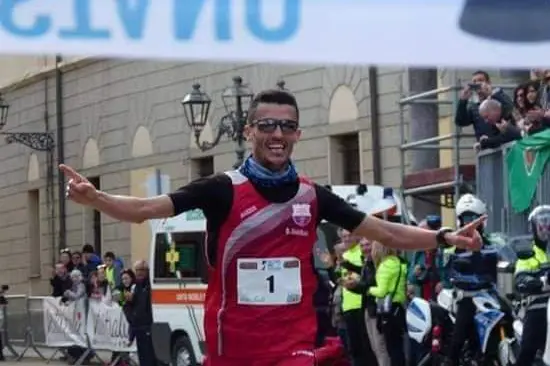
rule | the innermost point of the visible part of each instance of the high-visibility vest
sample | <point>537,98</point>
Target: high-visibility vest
<point>351,300</point>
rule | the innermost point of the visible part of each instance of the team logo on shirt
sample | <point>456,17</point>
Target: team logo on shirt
<point>301,214</point>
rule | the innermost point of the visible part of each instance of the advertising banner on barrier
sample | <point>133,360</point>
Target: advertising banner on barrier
<point>107,328</point>
<point>64,323</point>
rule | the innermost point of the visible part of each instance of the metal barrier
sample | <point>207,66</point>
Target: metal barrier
<point>492,188</point>
<point>22,328</point>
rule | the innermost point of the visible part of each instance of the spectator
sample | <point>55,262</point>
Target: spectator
<point>141,312</point>
<point>60,280</point>
<point>78,288</point>
<point>467,112</point>
<point>519,100</point>
<point>65,258</point>
<point>499,129</point>
<point>128,285</point>
<point>390,293</point>
<point>99,286</point>
<point>112,270</point>
<point>545,92</point>
<point>90,259</point>
<point>76,258</point>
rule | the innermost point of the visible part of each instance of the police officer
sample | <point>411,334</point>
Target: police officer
<point>468,208</point>
<point>528,282</point>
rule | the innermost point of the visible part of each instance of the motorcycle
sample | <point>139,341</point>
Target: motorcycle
<point>432,324</point>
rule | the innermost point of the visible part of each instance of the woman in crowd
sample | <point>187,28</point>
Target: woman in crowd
<point>65,258</point>
<point>519,100</point>
<point>99,286</point>
<point>390,294</point>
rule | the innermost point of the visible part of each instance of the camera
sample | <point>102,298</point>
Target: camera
<point>5,288</point>
<point>474,86</point>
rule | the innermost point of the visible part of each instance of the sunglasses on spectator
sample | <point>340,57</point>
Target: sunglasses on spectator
<point>269,125</point>
<point>66,250</point>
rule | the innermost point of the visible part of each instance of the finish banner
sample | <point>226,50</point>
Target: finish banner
<point>498,33</point>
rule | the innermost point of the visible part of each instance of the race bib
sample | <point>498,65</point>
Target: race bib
<point>269,281</point>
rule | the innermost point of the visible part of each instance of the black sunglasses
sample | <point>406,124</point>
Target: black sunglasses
<point>269,125</point>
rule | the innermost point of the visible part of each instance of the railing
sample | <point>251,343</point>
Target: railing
<point>492,188</point>
<point>47,327</point>
<point>453,141</point>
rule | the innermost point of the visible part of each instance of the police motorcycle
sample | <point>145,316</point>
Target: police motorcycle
<point>431,324</point>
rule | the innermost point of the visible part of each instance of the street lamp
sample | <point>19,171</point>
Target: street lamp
<point>40,141</point>
<point>236,99</point>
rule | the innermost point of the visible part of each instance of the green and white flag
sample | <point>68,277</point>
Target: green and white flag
<point>526,161</point>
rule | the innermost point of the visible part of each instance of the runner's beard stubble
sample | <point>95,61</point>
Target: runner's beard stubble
<point>507,20</point>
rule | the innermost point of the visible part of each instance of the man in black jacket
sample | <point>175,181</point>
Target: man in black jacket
<point>467,111</point>
<point>139,305</point>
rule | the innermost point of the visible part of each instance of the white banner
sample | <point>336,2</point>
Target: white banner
<point>64,324</point>
<point>107,327</point>
<point>468,33</point>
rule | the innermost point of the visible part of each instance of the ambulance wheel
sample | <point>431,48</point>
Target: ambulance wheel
<point>182,353</point>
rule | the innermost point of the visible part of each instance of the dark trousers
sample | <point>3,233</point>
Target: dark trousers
<point>144,342</point>
<point>359,348</point>
<point>465,329</point>
<point>393,329</point>
<point>534,336</point>
<point>324,326</point>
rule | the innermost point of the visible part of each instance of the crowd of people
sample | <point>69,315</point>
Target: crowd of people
<point>371,285</point>
<point>85,275</point>
<point>497,117</point>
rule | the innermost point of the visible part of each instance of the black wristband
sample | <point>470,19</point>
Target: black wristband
<point>440,237</point>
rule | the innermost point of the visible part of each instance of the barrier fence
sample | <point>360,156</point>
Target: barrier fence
<point>35,323</point>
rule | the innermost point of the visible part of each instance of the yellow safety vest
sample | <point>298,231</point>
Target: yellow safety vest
<point>534,262</point>
<point>351,300</point>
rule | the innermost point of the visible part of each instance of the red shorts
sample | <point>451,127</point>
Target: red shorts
<point>298,360</point>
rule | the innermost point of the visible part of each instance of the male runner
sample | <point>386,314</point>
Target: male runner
<point>261,224</point>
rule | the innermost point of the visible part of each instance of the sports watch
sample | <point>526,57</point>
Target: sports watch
<point>440,237</point>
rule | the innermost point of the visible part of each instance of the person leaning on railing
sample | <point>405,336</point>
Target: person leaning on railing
<point>501,128</point>
<point>473,94</point>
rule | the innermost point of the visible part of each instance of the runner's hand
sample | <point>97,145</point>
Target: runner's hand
<point>468,237</point>
<point>78,189</point>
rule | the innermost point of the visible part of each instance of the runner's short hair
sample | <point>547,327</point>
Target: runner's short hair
<point>271,96</point>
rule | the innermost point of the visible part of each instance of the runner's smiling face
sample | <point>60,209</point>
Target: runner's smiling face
<point>273,131</point>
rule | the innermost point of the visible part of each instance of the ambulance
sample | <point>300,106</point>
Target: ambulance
<point>179,272</point>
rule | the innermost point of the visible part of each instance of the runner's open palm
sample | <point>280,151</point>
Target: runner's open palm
<point>79,189</point>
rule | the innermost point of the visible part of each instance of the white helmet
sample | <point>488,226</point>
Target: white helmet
<point>470,203</point>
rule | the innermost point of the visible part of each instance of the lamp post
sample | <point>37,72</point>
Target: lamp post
<point>40,141</point>
<point>236,99</point>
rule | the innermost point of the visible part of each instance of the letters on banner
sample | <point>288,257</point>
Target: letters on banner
<point>104,325</point>
<point>64,324</point>
<point>422,32</point>
<point>107,328</point>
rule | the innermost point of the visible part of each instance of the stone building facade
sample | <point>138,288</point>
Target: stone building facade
<point>124,127</point>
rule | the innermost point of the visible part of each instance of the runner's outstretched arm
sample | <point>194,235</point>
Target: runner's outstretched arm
<point>123,208</point>
<point>406,237</point>
<point>134,209</point>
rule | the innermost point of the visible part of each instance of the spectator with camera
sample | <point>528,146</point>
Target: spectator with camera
<point>60,281</point>
<point>471,97</point>
<point>499,128</point>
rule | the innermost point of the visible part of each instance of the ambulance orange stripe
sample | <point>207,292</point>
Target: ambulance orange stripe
<point>179,296</point>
